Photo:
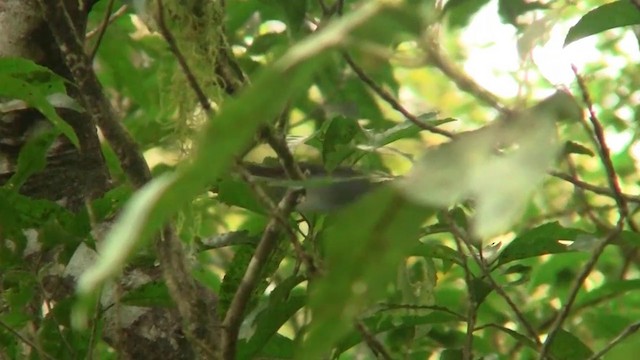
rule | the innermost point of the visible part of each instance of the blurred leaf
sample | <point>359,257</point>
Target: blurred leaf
<point>607,290</point>
<point>479,290</point>
<point>434,250</point>
<point>234,272</point>
<point>403,130</point>
<point>362,255</point>
<point>111,202</point>
<point>451,354</point>
<point>269,320</point>
<point>538,241</point>
<point>151,294</point>
<point>295,11</point>
<point>205,275</point>
<point>509,10</point>
<point>522,270</point>
<point>572,147</point>
<point>382,322</point>
<point>339,141</point>
<point>153,204</point>
<point>239,193</point>
<point>25,80</point>
<point>416,282</point>
<point>460,12</point>
<point>566,346</point>
<point>278,347</point>
<point>475,163</point>
<point>32,157</point>
<point>608,16</point>
<point>21,212</point>
<point>265,42</point>
<point>518,337</point>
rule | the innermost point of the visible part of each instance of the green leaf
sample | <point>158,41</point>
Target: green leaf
<point>436,251</point>
<point>509,10</point>
<point>447,174</point>
<point>567,346</point>
<point>539,241</point>
<point>152,205</point>
<point>362,255</point>
<point>152,294</point>
<point>608,16</point>
<point>32,157</point>
<point>607,290</point>
<point>339,141</point>
<point>204,274</point>
<point>21,212</point>
<point>518,337</point>
<point>452,354</point>
<point>23,79</point>
<point>295,11</point>
<point>572,147</point>
<point>279,347</point>
<point>383,322</point>
<point>265,42</point>
<point>403,130</point>
<point>479,290</point>
<point>239,193</point>
<point>269,320</point>
<point>460,12</point>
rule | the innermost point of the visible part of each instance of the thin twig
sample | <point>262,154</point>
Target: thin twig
<point>391,100</point>
<point>630,330</point>
<point>323,7</point>
<point>288,162</point>
<point>173,46</point>
<point>376,346</point>
<point>282,218</point>
<point>94,329</point>
<point>600,190</point>
<point>58,326</point>
<point>227,239</point>
<point>605,153</point>
<point>102,29</point>
<point>499,290</point>
<point>580,192</point>
<point>459,77</point>
<point>26,341</point>
<point>235,314</point>
<point>575,310</point>
<point>575,288</point>
<point>467,350</point>
<point>422,307</point>
<point>121,11</point>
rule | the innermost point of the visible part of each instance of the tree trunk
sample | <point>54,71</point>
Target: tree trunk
<point>73,177</point>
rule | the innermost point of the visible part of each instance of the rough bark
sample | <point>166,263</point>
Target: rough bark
<point>73,177</point>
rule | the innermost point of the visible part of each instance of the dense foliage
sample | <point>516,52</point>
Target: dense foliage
<point>491,226</point>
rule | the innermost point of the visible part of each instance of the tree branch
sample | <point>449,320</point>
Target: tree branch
<point>235,314</point>
<point>91,94</point>
<point>102,30</point>
<point>376,346</point>
<point>605,153</point>
<point>575,288</point>
<point>386,96</point>
<point>461,237</point>
<point>173,46</point>
<point>630,330</point>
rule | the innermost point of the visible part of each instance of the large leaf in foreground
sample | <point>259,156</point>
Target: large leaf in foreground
<point>223,139</point>
<point>364,245</point>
